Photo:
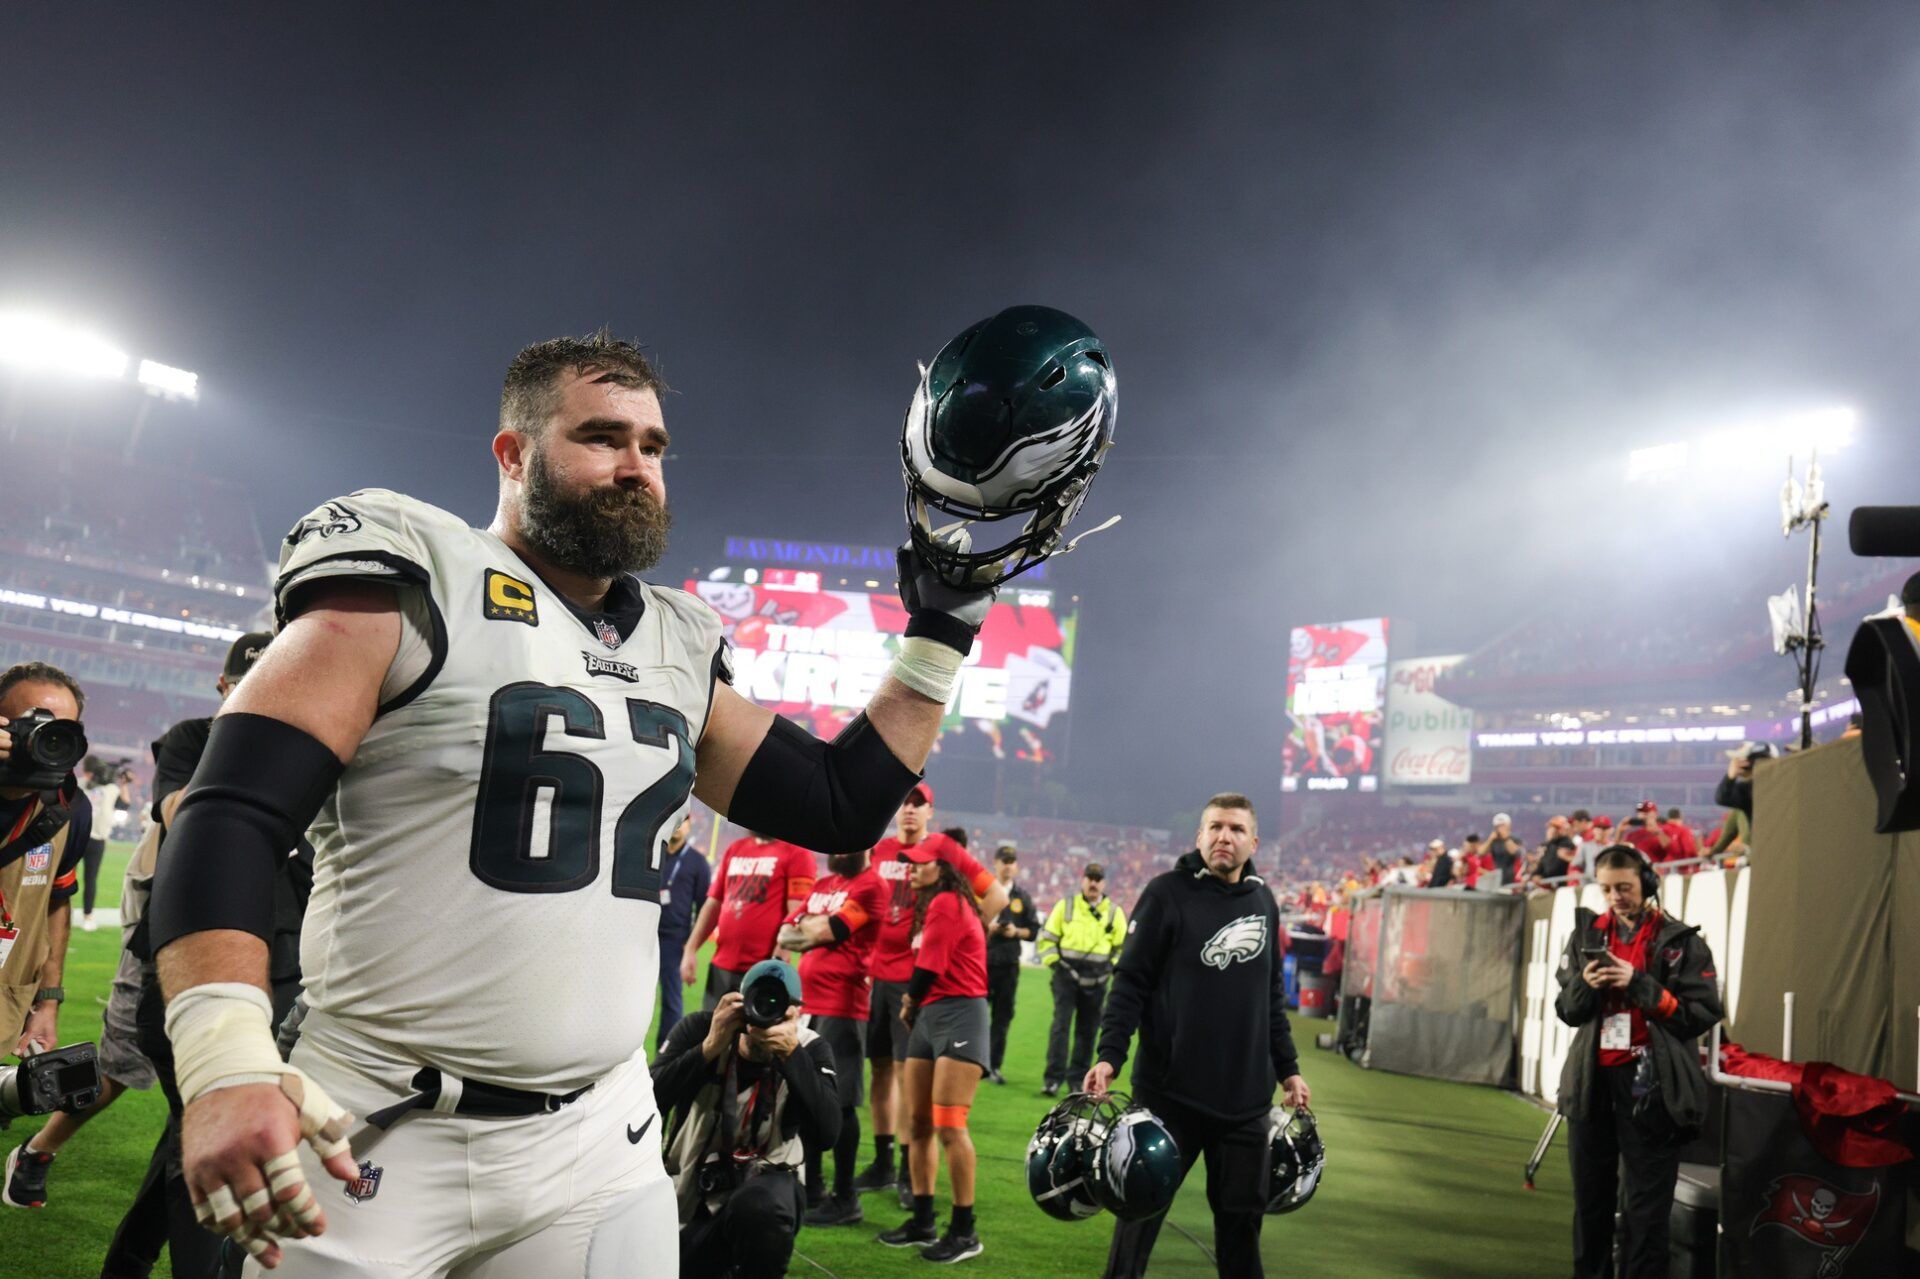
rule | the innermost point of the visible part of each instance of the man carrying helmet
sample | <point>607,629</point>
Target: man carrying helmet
<point>1200,978</point>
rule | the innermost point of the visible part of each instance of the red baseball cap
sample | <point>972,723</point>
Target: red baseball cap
<point>1647,806</point>
<point>921,853</point>
<point>1603,822</point>
<point>921,787</point>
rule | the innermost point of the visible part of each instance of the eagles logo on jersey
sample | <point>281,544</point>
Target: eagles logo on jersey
<point>1245,938</point>
<point>331,518</point>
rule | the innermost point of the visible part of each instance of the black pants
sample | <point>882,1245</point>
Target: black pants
<point>1237,1174</point>
<point>1596,1146</point>
<point>1003,984</point>
<point>672,997</point>
<point>90,874</point>
<point>162,1208</point>
<point>720,983</point>
<point>752,1234</point>
<point>1075,1008</point>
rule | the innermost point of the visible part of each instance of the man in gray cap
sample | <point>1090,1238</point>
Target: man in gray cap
<point>1508,853</point>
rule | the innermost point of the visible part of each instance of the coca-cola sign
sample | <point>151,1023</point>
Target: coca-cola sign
<point>1429,740</point>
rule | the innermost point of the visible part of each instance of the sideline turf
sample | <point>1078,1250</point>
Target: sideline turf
<point>1423,1178</point>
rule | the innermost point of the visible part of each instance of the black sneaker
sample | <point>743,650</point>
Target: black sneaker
<point>875,1176</point>
<point>951,1247</point>
<point>995,1077</point>
<point>1052,1089</point>
<point>911,1234</point>
<point>26,1184</point>
<point>835,1211</point>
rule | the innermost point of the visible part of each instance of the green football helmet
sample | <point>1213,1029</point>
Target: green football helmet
<point>1061,1153</point>
<point>1136,1171</point>
<point>1008,426</point>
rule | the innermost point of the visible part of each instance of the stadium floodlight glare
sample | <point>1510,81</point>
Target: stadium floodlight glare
<point>165,380</point>
<point>35,343</point>
<point>1662,459</point>
<point>1822,431</point>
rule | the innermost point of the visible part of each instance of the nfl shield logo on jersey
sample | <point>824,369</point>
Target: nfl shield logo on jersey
<point>40,858</point>
<point>367,1184</point>
<point>608,635</point>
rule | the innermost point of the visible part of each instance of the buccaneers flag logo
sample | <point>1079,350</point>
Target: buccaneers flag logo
<point>1824,1215</point>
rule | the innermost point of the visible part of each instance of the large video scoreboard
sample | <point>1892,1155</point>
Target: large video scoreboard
<point>811,649</point>
<point>1336,704</point>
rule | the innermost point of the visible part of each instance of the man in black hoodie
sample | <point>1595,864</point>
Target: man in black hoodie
<point>1200,979</point>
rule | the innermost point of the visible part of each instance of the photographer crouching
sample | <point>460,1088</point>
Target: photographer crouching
<point>1639,985</point>
<point>45,824</point>
<point>745,1088</point>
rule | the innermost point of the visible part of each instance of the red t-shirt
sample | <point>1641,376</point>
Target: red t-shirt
<point>1635,953</point>
<point>954,945</point>
<point>833,978</point>
<point>1648,842</point>
<point>892,958</point>
<point>753,884</point>
<point>1684,842</point>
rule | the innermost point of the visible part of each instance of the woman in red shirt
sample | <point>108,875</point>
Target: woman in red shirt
<point>947,1051</point>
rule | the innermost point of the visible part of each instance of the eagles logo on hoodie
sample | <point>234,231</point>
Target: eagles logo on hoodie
<point>1244,938</point>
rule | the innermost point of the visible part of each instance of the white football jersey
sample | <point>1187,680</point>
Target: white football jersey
<point>486,892</point>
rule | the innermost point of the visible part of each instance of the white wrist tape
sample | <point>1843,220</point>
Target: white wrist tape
<point>223,1038</point>
<point>928,667</point>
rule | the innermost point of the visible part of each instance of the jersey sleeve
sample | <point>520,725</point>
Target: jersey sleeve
<point>978,877</point>
<point>374,535</point>
<point>800,872</point>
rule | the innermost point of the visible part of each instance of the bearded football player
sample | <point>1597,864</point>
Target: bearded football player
<point>490,734</point>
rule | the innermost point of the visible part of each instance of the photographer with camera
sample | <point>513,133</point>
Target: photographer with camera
<point>1638,987</point>
<point>745,1088</point>
<point>46,821</point>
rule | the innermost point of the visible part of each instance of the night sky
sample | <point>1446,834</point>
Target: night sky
<point>1391,289</point>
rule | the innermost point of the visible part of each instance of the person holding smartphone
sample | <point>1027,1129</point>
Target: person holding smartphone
<point>1639,986</point>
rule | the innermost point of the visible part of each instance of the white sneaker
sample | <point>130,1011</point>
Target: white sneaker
<point>87,924</point>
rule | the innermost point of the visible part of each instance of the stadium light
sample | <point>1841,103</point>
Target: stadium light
<point>1824,431</point>
<point>35,343</point>
<point>166,381</point>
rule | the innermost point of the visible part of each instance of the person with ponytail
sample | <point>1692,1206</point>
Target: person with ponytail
<point>945,1007</point>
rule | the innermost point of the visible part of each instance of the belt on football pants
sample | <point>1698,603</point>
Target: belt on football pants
<point>442,1094</point>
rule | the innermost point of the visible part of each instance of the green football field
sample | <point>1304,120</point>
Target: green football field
<point>1423,1178</point>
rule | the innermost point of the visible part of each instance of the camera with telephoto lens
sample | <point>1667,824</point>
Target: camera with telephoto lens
<point>44,750</point>
<point>57,1079</point>
<point>764,1001</point>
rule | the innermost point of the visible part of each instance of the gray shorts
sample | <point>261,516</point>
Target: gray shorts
<point>886,1033</point>
<point>952,1028</point>
<point>848,1039</point>
<point>120,1058</point>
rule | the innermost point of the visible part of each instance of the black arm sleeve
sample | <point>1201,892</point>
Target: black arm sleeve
<point>838,927</point>
<point>831,797</point>
<point>813,1103</point>
<point>1135,977</point>
<point>680,1071</point>
<point>1734,792</point>
<point>258,786</point>
<point>920,983</point>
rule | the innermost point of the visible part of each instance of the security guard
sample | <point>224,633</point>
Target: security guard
<point>1080,940</point>
<point>1015,924</point>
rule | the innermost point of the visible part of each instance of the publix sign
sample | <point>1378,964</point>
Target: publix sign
<point>1429,740</point>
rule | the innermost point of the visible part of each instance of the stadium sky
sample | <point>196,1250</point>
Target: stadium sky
<point>1391,289</point>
